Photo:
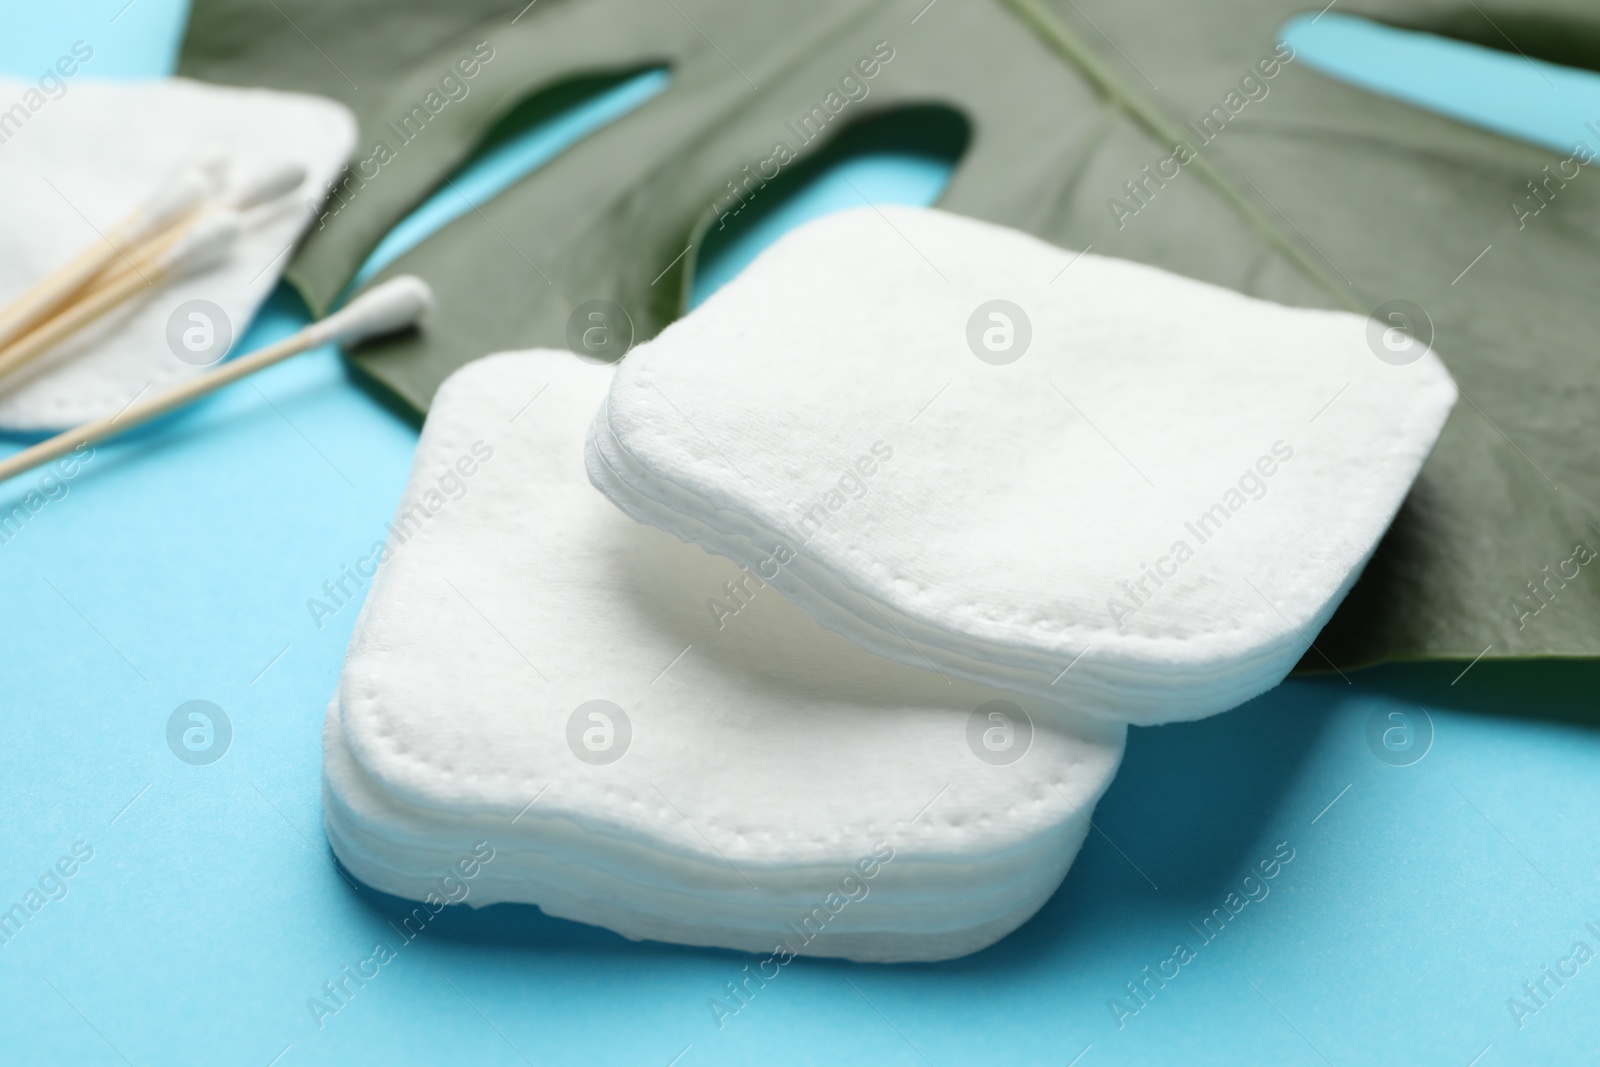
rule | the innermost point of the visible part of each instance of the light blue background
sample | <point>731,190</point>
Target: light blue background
<point>178,567</point>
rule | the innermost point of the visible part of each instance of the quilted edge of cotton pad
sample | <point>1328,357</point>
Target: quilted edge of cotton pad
<point>1115,682</point>
<point>30,405</point>
<point>405,851</point>
<point>386,850</point>
<point>413,775</point>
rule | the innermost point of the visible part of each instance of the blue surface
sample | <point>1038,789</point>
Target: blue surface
<point>130,38</point>
<point>177,566</point>
<point>1501,91</point>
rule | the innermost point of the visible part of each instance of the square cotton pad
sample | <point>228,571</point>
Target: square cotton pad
<point>652,740</point>
<point>78,166</point>
<point>1081,478</point>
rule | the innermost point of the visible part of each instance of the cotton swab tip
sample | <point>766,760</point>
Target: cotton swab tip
<point>394,305</point>
<point>265,185</point>
<point>213,159</point>
<point>181,195</point>
<point>204,246</point>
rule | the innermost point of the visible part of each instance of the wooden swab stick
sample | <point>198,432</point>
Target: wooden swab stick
<point>200,248</point>
<point>180,196</point>
<point>394,305</point>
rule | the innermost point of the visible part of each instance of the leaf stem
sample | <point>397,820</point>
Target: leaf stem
<point>1066,41</point>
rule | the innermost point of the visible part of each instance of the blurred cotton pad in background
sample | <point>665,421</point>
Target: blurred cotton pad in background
<point>650,739</point>
<point>1082,478</point>
<point>85,160</point>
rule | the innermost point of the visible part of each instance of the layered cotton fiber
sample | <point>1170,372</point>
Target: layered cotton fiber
<point>1082,478</point>
<point>651,739</point>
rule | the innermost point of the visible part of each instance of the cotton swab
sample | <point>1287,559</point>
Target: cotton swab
<point>213,159</point>
<point>180,196</point>
<point>394,305</point>
<point>265,186</point>
<point>201,247</point>
<point>255,190</point>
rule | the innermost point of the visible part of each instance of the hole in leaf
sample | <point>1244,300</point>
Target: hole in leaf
<point>529,136</point>
<point>904,156</point>
<point>1493,87</point>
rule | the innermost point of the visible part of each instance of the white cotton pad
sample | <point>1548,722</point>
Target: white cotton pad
<point>1077,477</point>
<point>75,167</point>
<point>753,779</point>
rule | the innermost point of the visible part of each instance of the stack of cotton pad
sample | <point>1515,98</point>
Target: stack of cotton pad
<point>82,162</point>
<point>652,739</point>
<point>1080,478</point>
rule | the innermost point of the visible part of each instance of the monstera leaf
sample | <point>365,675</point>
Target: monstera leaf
<point>1175,133</point>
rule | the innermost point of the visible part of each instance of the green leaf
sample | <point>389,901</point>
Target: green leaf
<point>1318,194</point>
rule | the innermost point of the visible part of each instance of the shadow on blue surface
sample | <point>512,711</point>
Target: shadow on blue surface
<point>1154,851</point>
